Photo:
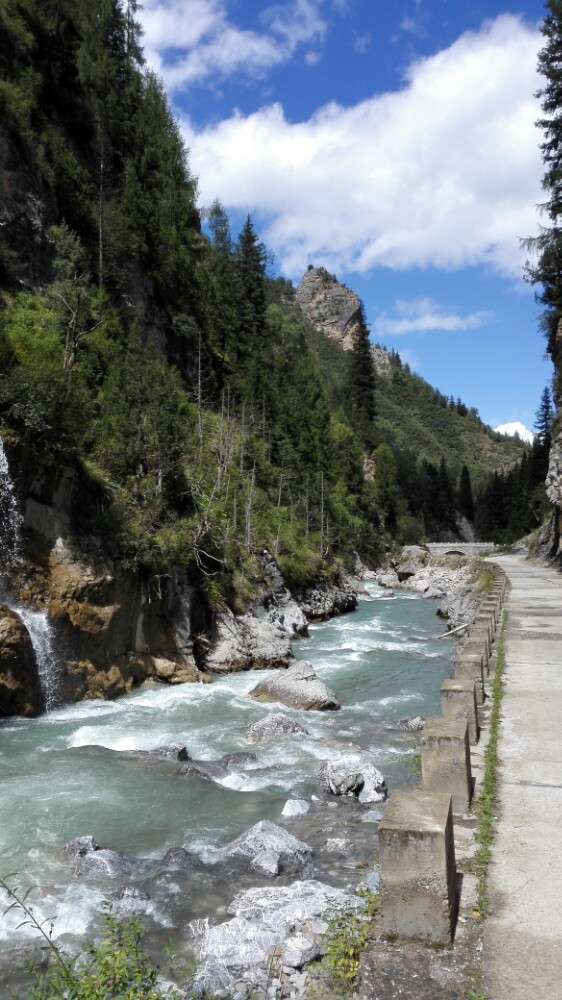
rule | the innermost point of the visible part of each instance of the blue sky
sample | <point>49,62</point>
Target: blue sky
<point>391,141</point>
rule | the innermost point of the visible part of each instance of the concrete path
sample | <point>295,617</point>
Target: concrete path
<point>523,934</point>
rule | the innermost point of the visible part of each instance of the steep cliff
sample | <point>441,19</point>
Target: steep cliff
<point>111,627</point>
<point>334,310</point>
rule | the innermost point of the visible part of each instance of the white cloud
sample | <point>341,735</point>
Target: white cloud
<point>442,173</point>
<point>423,314</point>
<point>195,41</point>
<point>362,43</point>
<point>516,427</point>
<point>412,26</point>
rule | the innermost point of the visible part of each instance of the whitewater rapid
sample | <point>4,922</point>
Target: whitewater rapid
<point>66,774</point>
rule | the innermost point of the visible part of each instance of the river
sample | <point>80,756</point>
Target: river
<point>67,773</point>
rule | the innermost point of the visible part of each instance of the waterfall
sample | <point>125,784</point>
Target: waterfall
<point>10,517</point>
<point>11,559</point>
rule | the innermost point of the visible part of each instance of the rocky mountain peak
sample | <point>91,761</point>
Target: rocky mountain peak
<point>335,310</point>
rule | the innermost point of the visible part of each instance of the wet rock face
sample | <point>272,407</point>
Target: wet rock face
<point>118,629</point>
<point>262,637</point>
<point>324,600</point>
<point>20,689</point>
<point>297,687</point>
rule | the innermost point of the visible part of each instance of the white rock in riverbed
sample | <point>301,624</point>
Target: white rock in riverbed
<point>270,849</point>
<point>296,807</point>
<point>263,919</point>
<point>354,774</point>
<point>297,686</point>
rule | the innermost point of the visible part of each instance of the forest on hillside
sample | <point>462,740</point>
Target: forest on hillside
<point>150,347</point>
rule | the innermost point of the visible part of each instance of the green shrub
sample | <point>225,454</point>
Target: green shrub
<point>344,940</point>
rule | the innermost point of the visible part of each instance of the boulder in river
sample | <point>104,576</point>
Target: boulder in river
<point>354,774</point>
<point>299,687</point>
<point>130,902</point>
<point>412,725</point>
<point>91,859</point>
<point>218,770</point>
<point>270,849</point>
<point>296,807</point>
<point>170,751</point>
<point>272,727</point>
<point>323,600</point>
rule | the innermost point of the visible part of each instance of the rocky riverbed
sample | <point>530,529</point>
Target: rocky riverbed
<point>452,580</point>
<point>196,805</point>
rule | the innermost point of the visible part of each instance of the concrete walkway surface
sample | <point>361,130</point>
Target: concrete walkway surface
<point>523,933</point>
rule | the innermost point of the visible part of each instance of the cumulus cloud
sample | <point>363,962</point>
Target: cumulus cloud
<point>423,314</point>
<point>516,428</point>
<point>444,172</point>
<point>195,42</point>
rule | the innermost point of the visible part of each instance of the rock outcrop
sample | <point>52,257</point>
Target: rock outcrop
<point>297,687</point>
<point>335,310</point>
<point>20,688</point>
<point>323,600</point>
<point>112,628</point>
<point>549,541</point>
<point>262,637</point>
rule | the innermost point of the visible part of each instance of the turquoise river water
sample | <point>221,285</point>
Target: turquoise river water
<point>65,774</point>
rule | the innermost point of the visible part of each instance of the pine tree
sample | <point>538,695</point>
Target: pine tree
<point>251,329</point>
<point>218,281</point>
<point>544,417</point>
<point>548,269</point>
<point>466,502</point>
<point>362,384</point>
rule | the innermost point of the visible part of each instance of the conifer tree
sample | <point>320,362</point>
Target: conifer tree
<point>548,269</point>
<point>361,384</point>
<point>544,417</point>
<point>466,502</point>
<point>251,329</point>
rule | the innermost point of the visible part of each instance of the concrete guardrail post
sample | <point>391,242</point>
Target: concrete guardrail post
<point>470,667</point>
<point>445,760</point>
<point>482,635</point>
<point>418,867</point>
<point>477,649</point>
<point>458,701</point>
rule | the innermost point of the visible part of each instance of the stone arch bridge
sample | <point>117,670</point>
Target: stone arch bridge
<point>461,548</point>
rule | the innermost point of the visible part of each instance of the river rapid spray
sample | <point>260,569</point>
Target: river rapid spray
<point>68,773</point>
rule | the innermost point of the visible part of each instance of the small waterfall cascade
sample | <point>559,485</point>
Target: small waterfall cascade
<point>10,519</point>
<point>11,559</point>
